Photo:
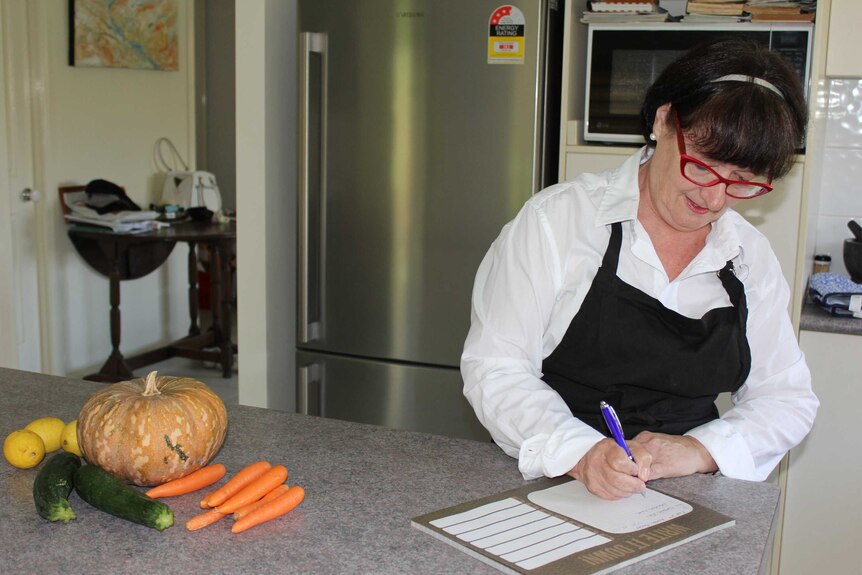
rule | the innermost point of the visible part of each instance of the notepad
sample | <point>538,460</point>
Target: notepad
<point>572,500</point>
<point>557,526</point>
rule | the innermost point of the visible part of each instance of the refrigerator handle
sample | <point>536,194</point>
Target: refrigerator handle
<point>312,106</point>
<point>309,387</point>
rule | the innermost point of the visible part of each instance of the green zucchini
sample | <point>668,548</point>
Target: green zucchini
<point>106,492</point>
<point>52,487</point>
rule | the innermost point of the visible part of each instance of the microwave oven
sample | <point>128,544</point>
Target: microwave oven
<point>623,60</point>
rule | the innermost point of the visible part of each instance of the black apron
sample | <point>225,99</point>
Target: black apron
<point>659,369</point>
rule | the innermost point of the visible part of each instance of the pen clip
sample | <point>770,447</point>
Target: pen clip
<point>614,425</point>
<point>612,412</point>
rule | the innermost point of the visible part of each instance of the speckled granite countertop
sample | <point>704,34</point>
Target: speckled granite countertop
<point>815,318</point>
<point>363,485</point>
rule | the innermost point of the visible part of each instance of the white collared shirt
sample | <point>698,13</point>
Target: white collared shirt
<point>537,273</point>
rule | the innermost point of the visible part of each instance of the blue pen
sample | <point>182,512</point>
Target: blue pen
<point>613,423</point>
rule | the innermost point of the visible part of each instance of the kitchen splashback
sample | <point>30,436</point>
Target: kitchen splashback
<point>840,188</point>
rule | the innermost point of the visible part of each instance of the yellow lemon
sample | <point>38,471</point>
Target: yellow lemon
<point>49,429</point>
<point>23,449</point>
<point>69,438</point>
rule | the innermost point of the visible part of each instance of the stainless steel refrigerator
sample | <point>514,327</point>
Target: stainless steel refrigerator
<point>424,127</point>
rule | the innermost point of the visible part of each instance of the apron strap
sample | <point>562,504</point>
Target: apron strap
<point>734,288</point>
<point>736,292</point>
<point>612,254</point>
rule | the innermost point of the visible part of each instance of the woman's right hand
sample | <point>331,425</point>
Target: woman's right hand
<point>607,472</point>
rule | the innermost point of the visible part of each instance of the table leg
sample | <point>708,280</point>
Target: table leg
<point>194,328</point>
<point>221,321</point>
<point>228,348</point>
<point>115,368</point>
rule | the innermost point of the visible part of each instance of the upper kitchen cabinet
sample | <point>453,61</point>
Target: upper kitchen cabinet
<point>842,57</point>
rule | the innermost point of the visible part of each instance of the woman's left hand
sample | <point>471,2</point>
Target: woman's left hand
<point>675,455</point>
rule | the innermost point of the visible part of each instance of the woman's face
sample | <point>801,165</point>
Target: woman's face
<point>679,203</point>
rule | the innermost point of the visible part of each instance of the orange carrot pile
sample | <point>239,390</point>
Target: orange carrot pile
<point>246,509</point>
<point>255,490</point>
<point>256,494</point>
<point>203,477</point>
<point>235,484</point>
<point>270,510</point>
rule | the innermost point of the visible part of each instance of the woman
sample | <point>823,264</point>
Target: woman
<point>640,287</point>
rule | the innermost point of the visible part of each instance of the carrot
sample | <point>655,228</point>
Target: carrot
<point>272,509</point>
<point>235,484</point>
<point>204,519</point>
<point>203,477</point>
<point>255,490</point>
<point>246,509</point>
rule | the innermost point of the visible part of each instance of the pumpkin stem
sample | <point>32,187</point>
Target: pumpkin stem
<point>151,388</point>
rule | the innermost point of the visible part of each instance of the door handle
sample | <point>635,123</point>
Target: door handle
<point>30,195</point>
<point>312,123</point>
<point>309,388</point>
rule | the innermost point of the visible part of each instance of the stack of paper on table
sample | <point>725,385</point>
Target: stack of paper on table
<point>129,227</point>
<point>557,526</point>
<point>128,222</point>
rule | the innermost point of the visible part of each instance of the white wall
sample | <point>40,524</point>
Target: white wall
<point>840,181</point>
<point>266,197</point>
<point>102,123</point>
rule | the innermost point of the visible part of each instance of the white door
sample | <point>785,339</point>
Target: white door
<point>20,345</point>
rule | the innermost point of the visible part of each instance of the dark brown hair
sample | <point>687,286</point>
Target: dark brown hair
<point>737,122</point>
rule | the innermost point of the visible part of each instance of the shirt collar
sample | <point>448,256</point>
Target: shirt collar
<point>724,238</point>
<point>618,199</point>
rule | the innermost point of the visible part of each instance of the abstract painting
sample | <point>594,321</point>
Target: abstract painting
<point>124,34</point>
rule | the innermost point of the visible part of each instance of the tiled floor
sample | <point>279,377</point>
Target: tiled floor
<point>207,372</point>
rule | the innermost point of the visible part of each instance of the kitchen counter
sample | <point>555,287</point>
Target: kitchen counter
<point>363,485</point>
<point>815,318</point>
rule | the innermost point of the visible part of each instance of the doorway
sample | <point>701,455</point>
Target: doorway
<point>20,250</point>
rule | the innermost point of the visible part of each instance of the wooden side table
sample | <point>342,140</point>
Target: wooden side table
<point>122,257</point>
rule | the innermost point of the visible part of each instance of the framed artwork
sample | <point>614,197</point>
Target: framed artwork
<point>140,34</point>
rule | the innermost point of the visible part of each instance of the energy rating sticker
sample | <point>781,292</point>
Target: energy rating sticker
<point>506,36</point>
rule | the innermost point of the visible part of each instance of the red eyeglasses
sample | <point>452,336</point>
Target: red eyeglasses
<point>700,174</point>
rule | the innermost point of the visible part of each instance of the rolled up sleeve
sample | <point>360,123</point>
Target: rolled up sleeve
<point>513,298</point>
<point>775,408</point>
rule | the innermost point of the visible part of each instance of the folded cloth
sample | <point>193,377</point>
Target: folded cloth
<point>836,293</point>
<point>104,197</point>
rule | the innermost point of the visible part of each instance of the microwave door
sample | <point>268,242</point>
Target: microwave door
<point>623,61</point>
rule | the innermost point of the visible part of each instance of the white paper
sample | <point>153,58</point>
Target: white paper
<point>633,513</point>
<point>119,227</point>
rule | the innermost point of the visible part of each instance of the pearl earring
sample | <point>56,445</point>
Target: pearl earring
<point>652,136</point>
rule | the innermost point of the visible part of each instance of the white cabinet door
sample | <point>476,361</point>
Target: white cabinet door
<point>776,215</point>
<point>822,506</point>
<point>580,163</point>
<point>842,54</point>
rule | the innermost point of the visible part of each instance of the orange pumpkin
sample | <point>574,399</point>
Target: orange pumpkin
<point>149,431</point>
